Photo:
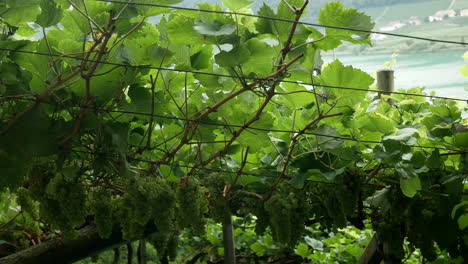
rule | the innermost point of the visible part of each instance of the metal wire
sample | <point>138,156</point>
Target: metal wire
<point>232,76</point>
<point>460,151</point>
<point>286,20</point>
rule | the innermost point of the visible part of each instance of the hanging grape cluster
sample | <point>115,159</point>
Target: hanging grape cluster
<point>348,189</point>
<point>388,219</point>
<point>102,207</point>
<point>146,199</point>
<point>191,206</point>
<point>263,220</point>
<point>287,211</point>
<point>62,200</point>
<point>23,198</point>
<point>220,207</point>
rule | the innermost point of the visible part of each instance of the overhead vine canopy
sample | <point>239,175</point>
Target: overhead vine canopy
<point>109,119</point>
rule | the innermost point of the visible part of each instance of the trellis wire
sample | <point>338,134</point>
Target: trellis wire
<point>285,20</point>
<point>255,128</point>
<point>209,169</point>
<point>231,76</point>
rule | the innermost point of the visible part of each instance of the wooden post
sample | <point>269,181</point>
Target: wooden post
<point>385,80</point>
<point>372,254</point>
<point>129,253</point>
<point>228,239</point>
<point>142,251</point>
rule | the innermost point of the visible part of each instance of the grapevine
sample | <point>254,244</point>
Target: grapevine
<point>146,199</point>
<point>192,205</point>
<point>102,207</point>
<point>287,213</point>
<point>121,127</point>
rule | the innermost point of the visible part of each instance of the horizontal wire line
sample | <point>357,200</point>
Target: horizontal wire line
<point>283,131</point>
<point>210,169</point>
<point>232,76</point>
<point>288,21</point>
<point>172,165</point>
<point>256,128</point>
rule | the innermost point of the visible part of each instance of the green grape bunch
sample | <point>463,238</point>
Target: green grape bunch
<point>192,205</point>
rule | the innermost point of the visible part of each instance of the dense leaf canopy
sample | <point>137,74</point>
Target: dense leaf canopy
<point>107,118</point>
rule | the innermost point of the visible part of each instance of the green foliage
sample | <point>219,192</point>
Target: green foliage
<point>50,14</point>
<point>334,14</point>
<point>127,124</point>
<point>236,4</point>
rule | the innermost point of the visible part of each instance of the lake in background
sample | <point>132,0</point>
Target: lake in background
<point>436,71</point>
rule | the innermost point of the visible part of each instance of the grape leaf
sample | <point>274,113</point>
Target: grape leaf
<point>334,14</point>
<point>141,98</point>
<point>18,13</point>
<point>237,56</point>
<point>410,186</point>
<point>336,74</point>
<point>202,59</point>
<point>314,243</point>
<point>260,59</point>
<point>376,122</point>
<point>148,10</point>
<point>235,5</point>
<point>214,28</point>
<point>302,250</point>
<point>410,183</point>
<point>380,200</point>
<point>461,139</point>
<point>266,26</point>
<point>50,14</point>
<point>180,30</point>
<point>403,134</point>
<point>463,221</point>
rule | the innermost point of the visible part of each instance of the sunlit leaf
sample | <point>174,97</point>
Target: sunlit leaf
<point>236,4</point>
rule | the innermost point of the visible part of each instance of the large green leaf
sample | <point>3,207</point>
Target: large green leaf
<point>410,183</point>
<point>461,139</point>
<point>203,58</point>
<point>336,74</point>
<point>463,221</point>
<point>334,14</point>
<point>376,122</point>
<point>13,169</point>
<point>148,10</point>
<point>237,56</point>
<point>18,13</point>
<point>329,142</point>
<point>214,28</point>
<point>266,26</point>
<point>50,14</point>
<point>261,58</point>
<point>410,186</point>
<point>140,49</point>
<point>236,4</point>
<point>180,30</point>
<point>141,98</point>
<point>32,135</point>
<point>403,134</point>
<point>256,139</point>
